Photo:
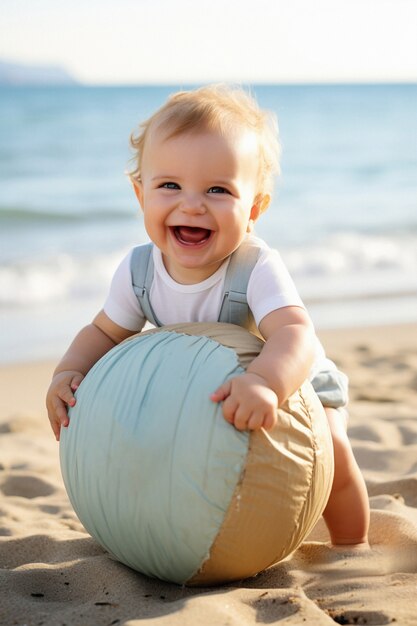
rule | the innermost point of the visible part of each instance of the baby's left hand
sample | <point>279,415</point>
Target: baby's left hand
<point>248,402</point>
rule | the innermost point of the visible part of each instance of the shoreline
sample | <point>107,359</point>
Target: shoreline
<point>52,572</point>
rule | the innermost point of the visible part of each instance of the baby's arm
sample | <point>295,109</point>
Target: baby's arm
<point>250,401</point>
<point>91,343</point>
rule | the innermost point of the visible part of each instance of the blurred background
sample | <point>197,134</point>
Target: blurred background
<point>77,78</point>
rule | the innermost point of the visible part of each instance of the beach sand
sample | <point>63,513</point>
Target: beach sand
<point>52,573</point>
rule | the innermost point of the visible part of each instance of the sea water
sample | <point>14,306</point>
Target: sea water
<point>343,215</point>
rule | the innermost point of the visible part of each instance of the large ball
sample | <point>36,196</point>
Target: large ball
<point>166,485</point>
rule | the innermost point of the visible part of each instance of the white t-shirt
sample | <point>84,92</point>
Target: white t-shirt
<point>270,287</point>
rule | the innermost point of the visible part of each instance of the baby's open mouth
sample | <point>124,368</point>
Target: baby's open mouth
<point>191,236</point>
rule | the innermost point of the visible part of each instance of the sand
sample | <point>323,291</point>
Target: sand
<point>52,573</point>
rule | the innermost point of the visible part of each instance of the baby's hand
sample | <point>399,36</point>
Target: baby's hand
<point>248,402</point>
<point>60,395</point>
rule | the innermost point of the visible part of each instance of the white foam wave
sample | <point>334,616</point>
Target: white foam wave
<point>62,278</point>
<point>350,253</point>
<point>355,266</point>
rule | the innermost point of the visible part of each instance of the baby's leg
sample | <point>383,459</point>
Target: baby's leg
<point>347,511</point>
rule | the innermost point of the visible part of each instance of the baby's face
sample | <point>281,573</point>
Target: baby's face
<point>197,193</point>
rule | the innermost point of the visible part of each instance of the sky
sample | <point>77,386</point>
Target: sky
<point>194,41</point>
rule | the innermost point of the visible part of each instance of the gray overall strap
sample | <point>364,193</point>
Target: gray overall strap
<point>235,308</point>
<point>142,270</point>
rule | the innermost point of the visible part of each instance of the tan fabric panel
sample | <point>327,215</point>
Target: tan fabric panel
<point>282,493</point>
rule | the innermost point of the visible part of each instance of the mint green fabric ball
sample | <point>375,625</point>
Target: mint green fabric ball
<point>149,463</point>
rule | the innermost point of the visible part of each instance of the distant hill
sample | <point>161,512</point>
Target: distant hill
<point>12,73</point>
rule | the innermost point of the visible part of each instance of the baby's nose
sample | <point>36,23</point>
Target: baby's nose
<point>193,204</point>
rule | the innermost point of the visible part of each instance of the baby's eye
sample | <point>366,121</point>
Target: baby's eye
<point>169,185</point>
<point>217,189</point>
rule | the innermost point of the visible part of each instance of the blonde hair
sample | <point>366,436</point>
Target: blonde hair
<point>219,108</point>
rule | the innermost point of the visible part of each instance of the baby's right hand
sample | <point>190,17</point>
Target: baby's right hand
<point>61,395</point>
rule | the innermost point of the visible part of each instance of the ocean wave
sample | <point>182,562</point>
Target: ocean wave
<point>344,253</point>
<point>64,278</point>
<point>22,216</point>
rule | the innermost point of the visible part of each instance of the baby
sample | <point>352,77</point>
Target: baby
<point>204,169</point>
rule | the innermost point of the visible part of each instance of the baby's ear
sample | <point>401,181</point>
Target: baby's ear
<point>263,201</point>
<point>138,189</point>
<point>260,205</point>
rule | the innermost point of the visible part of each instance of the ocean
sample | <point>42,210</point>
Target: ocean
<point>344,213</point>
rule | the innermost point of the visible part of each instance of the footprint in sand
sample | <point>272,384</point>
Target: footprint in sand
<point>26,486</point>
